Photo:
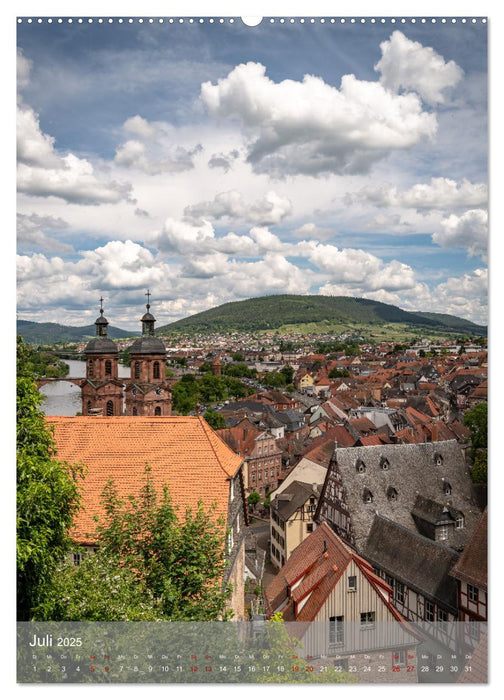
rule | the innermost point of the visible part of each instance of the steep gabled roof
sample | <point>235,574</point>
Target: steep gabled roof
<point>183,453</point>
<point>472,565</point>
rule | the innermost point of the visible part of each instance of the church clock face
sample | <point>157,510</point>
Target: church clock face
<point>134,392</point>
<point>159,391</point>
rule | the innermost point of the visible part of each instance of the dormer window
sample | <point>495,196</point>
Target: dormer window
<point>438,459</point>
<point>384,463</point>
<point>360,466</point>
<point>447,489</point>
<point>367,496</point>
<point>459,522</point>
<point>392,493</point>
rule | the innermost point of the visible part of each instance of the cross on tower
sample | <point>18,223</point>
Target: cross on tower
<point>148,294</point>
<point>101,304</point>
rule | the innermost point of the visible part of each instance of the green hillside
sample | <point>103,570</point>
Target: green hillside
<point>49,333</point>
<point>273,312</point>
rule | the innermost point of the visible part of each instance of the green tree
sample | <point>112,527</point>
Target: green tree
<point>476,419</point>
<point>152,563</point>
<point>336,373</point>
<point>253,498</point>
<point>47,495</point>
<point>214,419</point>
<point>274,380</point>
<point>288,373</point>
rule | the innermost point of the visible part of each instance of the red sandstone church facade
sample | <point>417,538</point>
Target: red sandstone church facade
<point>146,393</point>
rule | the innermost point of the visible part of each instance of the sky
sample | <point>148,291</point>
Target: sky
<point>213,162</point>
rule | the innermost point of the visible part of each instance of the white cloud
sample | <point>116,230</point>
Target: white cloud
<point>30,233</point>
<point>313,128</point>
<point>408,65</point>
<point>312,231</point>
<point>23,67</point>
<point>42,172</point>
<point>440,193</point>
<point>357,267</point>
<point>469,231</point>
<point>223,160</point>
<point>232,206</point>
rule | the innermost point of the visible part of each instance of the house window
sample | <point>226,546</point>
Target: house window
<point>443,532</point>
<point>78,558</point>
<point>459,522</point>
<point>443,620</point>
<point>367,496</point>
<point>135,411</point>
<point>90,368</point>
<point>367,620</point>
<point>352,583</point>
<point>384,463</point>
<point>157,411</point>
<point>389,580</point>
<point>400,592</point>
<point>472,593</point>
<point>429,611</point>
<point>259,475</point>
<point>156,370</point>
<point>253,476</point>
<point>360,466</point>
<point>108,367</point>
<point>137,370</point>
<point>336,631</point>
<point>399,658</point>
<point>110,408</point>
<point>474,629</point>
<point>309,527</point>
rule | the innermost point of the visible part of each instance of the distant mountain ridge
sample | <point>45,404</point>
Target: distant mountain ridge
<point>48,333</point>
<point>273,312</point>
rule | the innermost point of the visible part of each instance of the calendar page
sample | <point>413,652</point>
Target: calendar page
<point>252,349</point>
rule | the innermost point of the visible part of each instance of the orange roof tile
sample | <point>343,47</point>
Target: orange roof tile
<point>183,452</point>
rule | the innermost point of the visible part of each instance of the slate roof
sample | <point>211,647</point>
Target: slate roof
<point>418,562</point>
<point>292,498</point>
<point>473,564</point>
<point>148,345</point>
<point>183,453</point>
<point>412,471</point>
<point>100,345</point>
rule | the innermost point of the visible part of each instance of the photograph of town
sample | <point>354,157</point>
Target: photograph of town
<point>252,321</point>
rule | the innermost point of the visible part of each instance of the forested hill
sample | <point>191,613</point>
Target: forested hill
<point>273,312</point>
<point>49,333</point>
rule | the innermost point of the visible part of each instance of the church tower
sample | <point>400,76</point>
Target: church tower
<point>102,392</point>
<point>148,393</point>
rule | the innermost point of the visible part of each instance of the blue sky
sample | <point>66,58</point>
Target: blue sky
<point>214,162</point>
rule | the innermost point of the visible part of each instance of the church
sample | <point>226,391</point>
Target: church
<point>146,393</point>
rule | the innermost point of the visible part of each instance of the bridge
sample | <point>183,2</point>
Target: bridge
<point>78,381</point>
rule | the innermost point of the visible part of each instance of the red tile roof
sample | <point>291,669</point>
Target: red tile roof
<point>183,452</point>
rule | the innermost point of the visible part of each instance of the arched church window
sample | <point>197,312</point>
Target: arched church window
<point>88,406</point>
<point>157,411</point>
<point>108,367</point>
<point>137,370</point>
<point>156,370</point>
<point>110,408</point>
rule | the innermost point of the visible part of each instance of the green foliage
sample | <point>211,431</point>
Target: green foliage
<point>480,467</point>
<point>214,419</point>
<point>253,498</point>
<point>239,369</point>
<point>47,495</point>
<point>476,419</point>
<point>288,373</point>
<point>152,564</point>
<point>42,363</point>
<point>237,357</point>
<point>50,333</point>
<point>336,373</point>
<point>190,391</point>
<point>274,380</point>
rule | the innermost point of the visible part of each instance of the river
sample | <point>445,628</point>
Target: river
<point>64,398</point>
